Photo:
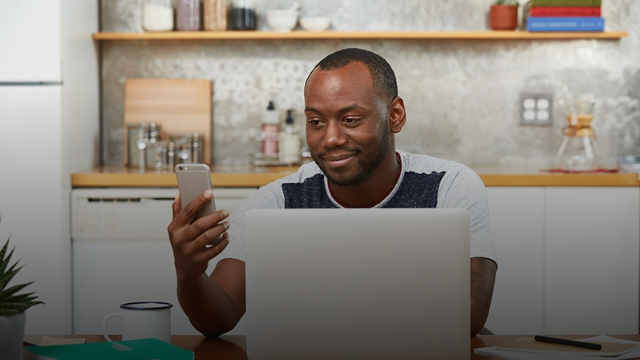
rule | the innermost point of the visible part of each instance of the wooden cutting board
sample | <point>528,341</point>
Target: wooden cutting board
<point>179,105</point>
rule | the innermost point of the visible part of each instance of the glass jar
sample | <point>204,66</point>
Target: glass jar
<point>579,151</point>
<point>189,147</point>
<point>188,15</point>
<point>244,15</point>
<point>157,15</point>
<point>215,15</point>
<point>182,148</point>
<point>197,147</point>
<point>153,145</point>
<point>137,139</point>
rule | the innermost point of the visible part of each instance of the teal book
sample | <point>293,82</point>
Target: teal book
<point>144,349</point>
<point>566,2</point>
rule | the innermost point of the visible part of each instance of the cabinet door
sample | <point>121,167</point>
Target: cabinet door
<point>30,41</point>
<point>34,198</point>
<point>592,260</point>
<point>121,253</point>
<point>517,222</point>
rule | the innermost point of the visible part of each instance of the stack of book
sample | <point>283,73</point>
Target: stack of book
<point>565,15</point>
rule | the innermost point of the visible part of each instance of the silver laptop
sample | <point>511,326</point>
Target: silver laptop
<point>357,284</point>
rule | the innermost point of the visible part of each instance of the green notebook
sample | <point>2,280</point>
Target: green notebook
<point>144,349</point>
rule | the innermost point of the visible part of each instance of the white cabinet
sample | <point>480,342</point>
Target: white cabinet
<point>591,260</point>
<point>568,260</point>
<point>517,222</point>
<point>33,200</point>
<point>121,253</point>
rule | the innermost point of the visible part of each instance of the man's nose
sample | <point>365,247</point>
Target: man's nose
<point>334,135</point>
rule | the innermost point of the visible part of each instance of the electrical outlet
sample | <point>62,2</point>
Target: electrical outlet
<point>536,108</point>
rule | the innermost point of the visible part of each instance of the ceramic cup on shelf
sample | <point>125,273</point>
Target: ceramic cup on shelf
<point>143,320</point>
<point>282,20</point>
<point>315,23</point>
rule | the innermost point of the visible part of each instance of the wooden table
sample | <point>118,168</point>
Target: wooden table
<point>233,347</point>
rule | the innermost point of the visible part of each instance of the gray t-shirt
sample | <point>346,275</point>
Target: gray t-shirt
<point>425,182</point>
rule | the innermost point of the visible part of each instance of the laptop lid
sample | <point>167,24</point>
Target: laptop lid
<point>357,284</point>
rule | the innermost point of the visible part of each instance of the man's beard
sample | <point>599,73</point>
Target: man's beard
<point>366,166</point>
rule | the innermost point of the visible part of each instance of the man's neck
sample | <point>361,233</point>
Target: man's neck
<point>372,190</point>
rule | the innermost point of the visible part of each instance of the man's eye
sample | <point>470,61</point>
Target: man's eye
<point>351,121</point>
<point>313,122</point>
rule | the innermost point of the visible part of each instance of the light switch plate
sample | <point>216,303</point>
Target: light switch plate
<point>536,108</point>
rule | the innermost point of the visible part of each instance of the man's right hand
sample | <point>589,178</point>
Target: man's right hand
<point>191,240</point>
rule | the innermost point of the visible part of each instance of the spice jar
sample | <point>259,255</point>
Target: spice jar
<point>157,15</point>
<point>188,15</point>
<point>244,15</point>
<point>215,14</point>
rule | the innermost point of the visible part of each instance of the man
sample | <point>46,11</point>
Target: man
<point>352,112</point>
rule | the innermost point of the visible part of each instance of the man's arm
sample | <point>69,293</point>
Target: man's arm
<point>483,276</point>
<point>214,304</point>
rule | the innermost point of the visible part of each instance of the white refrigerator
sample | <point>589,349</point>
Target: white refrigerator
<point>34,150</point>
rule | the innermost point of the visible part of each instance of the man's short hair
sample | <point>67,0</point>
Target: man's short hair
<point>381,72</point>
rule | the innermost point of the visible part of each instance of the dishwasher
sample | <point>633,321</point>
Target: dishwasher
<point>121,253</point>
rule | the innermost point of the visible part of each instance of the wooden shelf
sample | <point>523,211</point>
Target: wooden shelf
<point>399,35</point>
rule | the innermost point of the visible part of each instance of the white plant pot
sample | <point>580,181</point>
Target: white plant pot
<point>12,335</point>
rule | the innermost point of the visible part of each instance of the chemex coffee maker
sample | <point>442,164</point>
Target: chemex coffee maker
<point>578,152</point>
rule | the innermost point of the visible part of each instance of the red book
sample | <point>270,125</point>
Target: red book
<point>564,11</point>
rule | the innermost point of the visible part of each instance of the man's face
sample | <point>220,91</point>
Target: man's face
<point>347,123</point>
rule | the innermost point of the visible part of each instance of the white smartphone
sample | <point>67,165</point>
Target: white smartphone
<point>193,180</point>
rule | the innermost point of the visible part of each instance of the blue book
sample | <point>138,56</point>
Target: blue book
<point>565,24</point>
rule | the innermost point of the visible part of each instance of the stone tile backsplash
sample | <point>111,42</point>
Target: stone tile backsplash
<point>462,96</point>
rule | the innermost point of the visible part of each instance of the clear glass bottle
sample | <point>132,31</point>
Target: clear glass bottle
<point>157,15</point>
<point>215,15</point>
<point>171,155</point>
<point>184,150</point>
<point>153,145</point>
<point>188,15</point>
<point>289,142</point>
<point>141,143</point>
<point>197,147</point>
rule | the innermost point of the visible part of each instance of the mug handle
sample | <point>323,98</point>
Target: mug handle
<point>104,324</point>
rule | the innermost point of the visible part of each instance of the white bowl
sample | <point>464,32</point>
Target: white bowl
<point>282,20</point>
<point>315,23</point>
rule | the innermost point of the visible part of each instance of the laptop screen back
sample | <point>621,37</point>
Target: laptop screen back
<point>357,284</point>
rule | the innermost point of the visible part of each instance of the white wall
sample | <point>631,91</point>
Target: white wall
<point>81,71</point>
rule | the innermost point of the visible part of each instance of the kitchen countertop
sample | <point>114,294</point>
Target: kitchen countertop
<point>256,176</point>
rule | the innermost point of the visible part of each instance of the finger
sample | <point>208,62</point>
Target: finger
<point>190,211</point>
<point>210,236</point>
<point>215,250</point>
<point>176,206</point>
<point>207,222</point>
<point>210,252</point>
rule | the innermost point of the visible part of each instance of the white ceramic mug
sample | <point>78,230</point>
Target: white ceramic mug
<point>143,320</point>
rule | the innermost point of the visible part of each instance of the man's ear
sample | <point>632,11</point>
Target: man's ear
<point>397,115</point>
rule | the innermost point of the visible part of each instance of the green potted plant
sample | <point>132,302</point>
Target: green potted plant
<point>503,15</point>
<point>12,306</point>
